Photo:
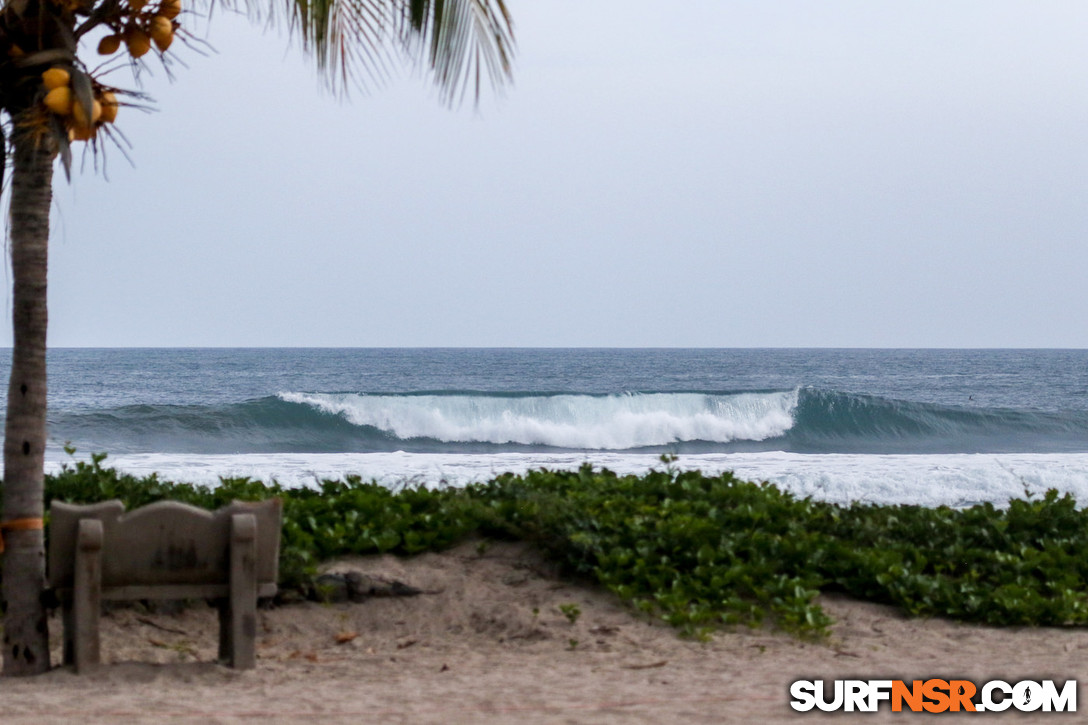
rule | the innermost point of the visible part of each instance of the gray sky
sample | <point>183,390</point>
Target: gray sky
<point>708,173</point>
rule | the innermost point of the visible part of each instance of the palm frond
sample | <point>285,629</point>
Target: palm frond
<point>460,39</point>
<point>462,43</point>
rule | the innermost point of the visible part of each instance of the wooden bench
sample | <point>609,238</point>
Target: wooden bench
<point>166,550</point>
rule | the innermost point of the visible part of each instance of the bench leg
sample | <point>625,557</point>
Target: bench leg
<point>223,605</point>
<point>238,624</point>
<point>68,620</point>
<point>81,633</point>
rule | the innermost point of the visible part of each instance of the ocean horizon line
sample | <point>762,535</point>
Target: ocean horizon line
<point>531,348</point>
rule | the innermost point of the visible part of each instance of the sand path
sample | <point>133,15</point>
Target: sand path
<point>488,643</point>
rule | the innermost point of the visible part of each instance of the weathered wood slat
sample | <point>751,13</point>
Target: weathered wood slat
<point>166,542</point>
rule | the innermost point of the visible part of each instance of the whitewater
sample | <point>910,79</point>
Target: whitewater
<point>956,480</point>
<point>606,422</point>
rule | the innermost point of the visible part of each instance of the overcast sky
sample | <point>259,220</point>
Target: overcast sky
<point>706,173</point>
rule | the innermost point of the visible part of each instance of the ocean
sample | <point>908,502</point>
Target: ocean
<point>928,427</point>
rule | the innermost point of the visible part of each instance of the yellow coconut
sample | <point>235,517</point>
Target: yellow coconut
<point>170,8</point>
<point>79,115</point>
<point>109,45</point>
<point>138,42</point>
<point>109,107</point>
<point>162,32</point>
<point>80,133</point>
<point>55,78</point>
<point>59,100</point>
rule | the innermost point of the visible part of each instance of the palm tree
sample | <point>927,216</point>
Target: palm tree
<point>53,102</point>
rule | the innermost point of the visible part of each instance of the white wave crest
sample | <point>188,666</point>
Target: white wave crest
<point>613,422</point>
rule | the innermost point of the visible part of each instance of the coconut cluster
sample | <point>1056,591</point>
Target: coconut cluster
<point>138,26</point>
<point>61,100</point>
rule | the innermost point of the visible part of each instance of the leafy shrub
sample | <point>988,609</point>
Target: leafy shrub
<point>697,551</point>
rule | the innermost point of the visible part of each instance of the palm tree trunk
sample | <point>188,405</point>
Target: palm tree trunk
<point>26,634</point>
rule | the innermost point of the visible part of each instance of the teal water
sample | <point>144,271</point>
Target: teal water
<point>474,401</point>
<point>910,426</point>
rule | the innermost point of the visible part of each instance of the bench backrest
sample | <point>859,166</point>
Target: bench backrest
<point>164,543</point>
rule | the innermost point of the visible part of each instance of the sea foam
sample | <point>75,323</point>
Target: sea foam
<point>930,480</point>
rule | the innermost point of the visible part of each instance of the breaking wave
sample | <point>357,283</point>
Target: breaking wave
<point>800,420</point>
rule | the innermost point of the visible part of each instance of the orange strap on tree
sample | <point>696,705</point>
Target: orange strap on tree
<point>19,525</point>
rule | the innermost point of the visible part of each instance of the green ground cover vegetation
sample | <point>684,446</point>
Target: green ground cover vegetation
<point>698,551</point>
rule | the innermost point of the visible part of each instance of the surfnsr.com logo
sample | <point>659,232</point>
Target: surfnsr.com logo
<point>933,695</point>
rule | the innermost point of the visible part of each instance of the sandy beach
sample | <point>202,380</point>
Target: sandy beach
<point>489,641</point>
